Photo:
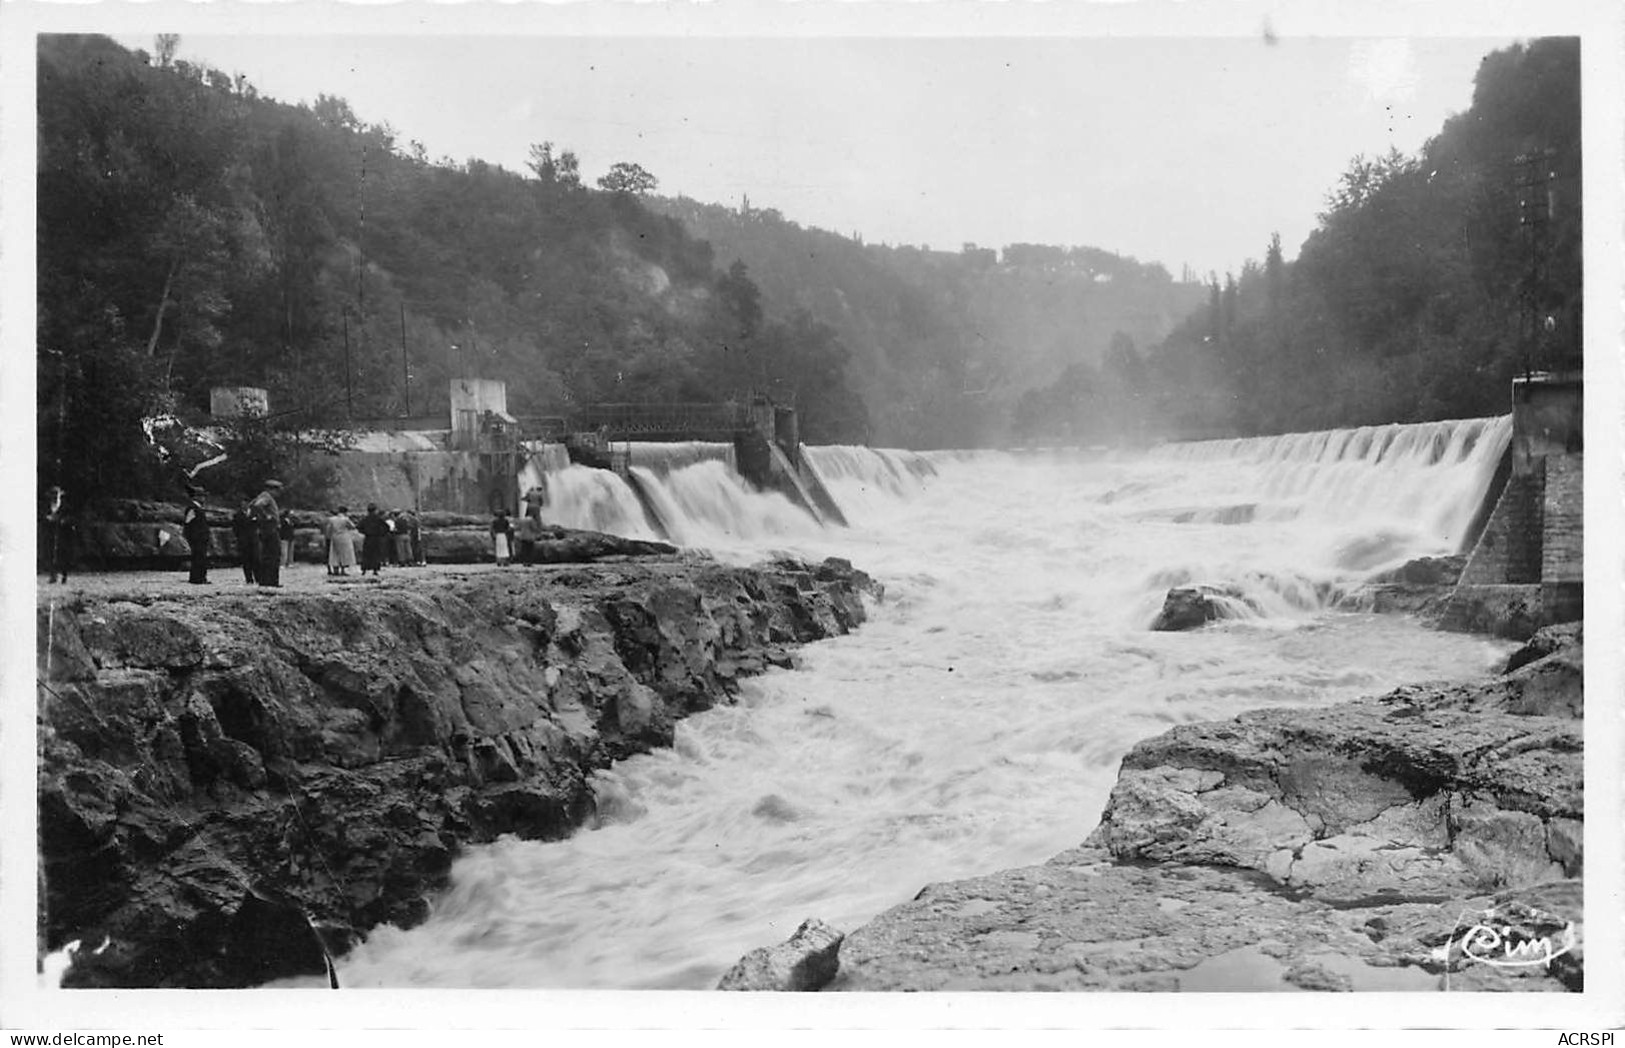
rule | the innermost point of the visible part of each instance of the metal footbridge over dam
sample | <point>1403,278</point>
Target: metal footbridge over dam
<point>631,422</point>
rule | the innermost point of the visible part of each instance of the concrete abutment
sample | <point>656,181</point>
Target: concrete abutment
<point>1526,568</point>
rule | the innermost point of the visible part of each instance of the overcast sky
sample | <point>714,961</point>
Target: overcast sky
<point>1175,150</point>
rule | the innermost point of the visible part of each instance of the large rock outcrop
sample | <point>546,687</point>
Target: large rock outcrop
<point>1349,847</point>
<point>232,784</point>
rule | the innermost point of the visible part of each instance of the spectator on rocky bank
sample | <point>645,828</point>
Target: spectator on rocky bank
<point>284,532</point>
<point>248,547</point>
<point>402,539</point>
<point>501,537</point>
<point>389,539</point>
<point>414,534</point>
<point>195,530</point>
<point>374,538</point>
<point>57,534</point>
<point>341,532</point>
<point>530,533</point>
<point>267,518</point>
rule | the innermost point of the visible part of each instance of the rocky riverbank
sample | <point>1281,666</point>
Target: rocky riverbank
<point>234,783</point>
<point>1399,842</point>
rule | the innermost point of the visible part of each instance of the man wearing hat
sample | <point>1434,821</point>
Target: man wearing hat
<point>195,529</point>
<point>266,515</point>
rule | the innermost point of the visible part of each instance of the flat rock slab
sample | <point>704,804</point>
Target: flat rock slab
<point>1080,922</point>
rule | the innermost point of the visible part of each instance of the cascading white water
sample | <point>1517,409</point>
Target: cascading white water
<point>708,505</point>
<point>1386,474</point>
<point>595,500</point>
<point>868,479</point>
<point>663,458</point>
<point>976,722</point>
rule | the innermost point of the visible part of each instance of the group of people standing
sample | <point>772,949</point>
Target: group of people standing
<point>264,534</point>
<point>395,538</point>
<point>265,538</point>
<point>510,541</point>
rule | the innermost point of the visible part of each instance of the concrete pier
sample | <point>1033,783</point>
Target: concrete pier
<point>767,451</point>
<point>1527,569</point>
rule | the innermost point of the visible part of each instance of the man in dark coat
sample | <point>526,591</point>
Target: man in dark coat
<point>57,534</point>
<point>267,517</point>
<point>195,529</point>
<point>284,534</point>
<point>529,534</point>
<point>414,532</point>
<point>374,536</point>
<point>248,544</point>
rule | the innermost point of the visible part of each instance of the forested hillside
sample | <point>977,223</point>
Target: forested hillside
<point>192,233</point>
<point>947,341</point>
<point>1429,282</point>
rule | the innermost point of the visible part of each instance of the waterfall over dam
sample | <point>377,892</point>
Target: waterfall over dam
<point>1390,493</point>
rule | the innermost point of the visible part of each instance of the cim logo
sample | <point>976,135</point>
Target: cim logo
<point>1520,937</point>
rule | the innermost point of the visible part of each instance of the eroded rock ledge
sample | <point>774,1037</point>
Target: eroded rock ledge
<point>232,783</point>
<point>1320,849</point>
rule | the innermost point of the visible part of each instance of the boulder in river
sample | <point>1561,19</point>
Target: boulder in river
<point>1187,607</point>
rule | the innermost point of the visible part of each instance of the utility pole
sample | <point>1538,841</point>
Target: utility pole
<point>1534,179</point>
<point>406,372</point>
<point>348,406</point>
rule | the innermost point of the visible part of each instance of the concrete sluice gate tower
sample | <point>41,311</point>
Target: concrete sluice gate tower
<point>468,463</point>
<point>1527,567</point>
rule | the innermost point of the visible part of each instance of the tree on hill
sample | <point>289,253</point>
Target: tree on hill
<point>628,178</point>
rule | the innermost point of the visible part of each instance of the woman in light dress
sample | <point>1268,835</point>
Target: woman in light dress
<point>341,532</point>
<point>502,538</point>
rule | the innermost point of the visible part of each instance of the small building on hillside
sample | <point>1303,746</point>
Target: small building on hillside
<point>238,401</point>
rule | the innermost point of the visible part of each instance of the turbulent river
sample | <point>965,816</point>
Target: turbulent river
<point>976,722</point>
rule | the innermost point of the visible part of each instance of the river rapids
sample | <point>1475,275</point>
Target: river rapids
<point>976,722</point>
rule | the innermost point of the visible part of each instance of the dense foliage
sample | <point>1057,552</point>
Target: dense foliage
<point>193,234</point>
<point>1425,287</point>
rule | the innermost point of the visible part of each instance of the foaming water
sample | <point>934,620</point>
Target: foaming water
<point>596,500</point>
<point>706,504</point>
<point>665,457</point>
<point>977,721</point>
